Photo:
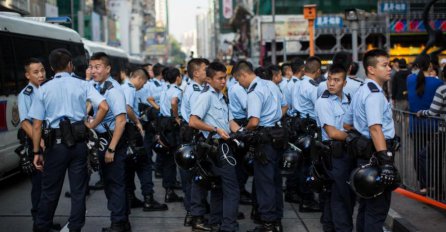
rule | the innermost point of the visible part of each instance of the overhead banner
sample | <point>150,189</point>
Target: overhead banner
<point>156,43</point>
<point>415,25</point>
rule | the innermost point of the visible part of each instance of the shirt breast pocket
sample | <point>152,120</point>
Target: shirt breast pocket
<point>218,111</point>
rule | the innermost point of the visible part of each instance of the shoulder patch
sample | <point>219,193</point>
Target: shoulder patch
<point>196,87</point>
<point>294,80</point>
<point>313,82</point>
<point>349,98</point>
<point>353,79</point>
<point>28,90</point>
<point>107,86</point>
<point>252,88</point>
<point>326,94</point>
<point>373,87</point>
<point>58,76</point>
<point>131,86</point>
<point>206,88</point>
<point>157,84</point>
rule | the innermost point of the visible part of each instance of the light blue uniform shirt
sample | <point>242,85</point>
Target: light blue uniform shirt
<point>190,96</point>
<point>283,86</point>
<point>156,88</point>
<point>232,81</point>
<point>330,111</point>
<point>265,102</point>
<point>143,94</point>
<point>370,108</point>
<point>304,97</point>
<point>25,99</point>
<point>350,88</point>
<point>289,91</point>
<point>130,97</point>
<point>166,99</point>
<point>238,100</point>
<point>116,102</point>
<point>63,96</point>
<point>212,109</point>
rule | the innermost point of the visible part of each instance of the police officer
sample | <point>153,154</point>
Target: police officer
<point>211,114</point>
<point>330,110</point>
<point>35,73</point>
<point>170,118</point>
<point>112,153</point>
<point>371,115</point>
<point>297,67</point>
<point>195,196</point>
<point>343,59</point>
<point>62,103</point>
<point>238,104</point>
<point>304,98</point>
<point>266,106</point>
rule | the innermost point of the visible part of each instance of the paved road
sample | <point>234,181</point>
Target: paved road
<point>15,212</point>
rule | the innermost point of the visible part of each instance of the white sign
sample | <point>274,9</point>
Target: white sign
<point>227,9</point>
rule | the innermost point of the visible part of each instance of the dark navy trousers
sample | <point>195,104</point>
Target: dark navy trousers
<point>114,185</point>
<point>143,169</point>
<point>268,184</point>
<point>58,159</point>
<point>36,191</point>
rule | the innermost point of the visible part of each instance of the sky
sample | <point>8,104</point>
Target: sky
<point>182,15</point>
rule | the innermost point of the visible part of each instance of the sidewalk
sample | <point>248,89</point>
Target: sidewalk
<point>410,215</point>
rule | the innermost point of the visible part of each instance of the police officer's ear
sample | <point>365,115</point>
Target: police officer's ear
<point>108,68</point>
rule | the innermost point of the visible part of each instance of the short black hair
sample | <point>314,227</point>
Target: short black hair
<point>285,66</point>
<point>354,69</point>
<point>59,59</point>
<point>140,72</point>
<point>343,58</point>
<point>244,66</point>
<point>193,65</point>
<point>101,56</point>
<point>272,70</point>
<point>171,75</point>
<point>370,58</point>
<point>402,63</point>
<point>337,68</point>
<point>158,69</point>
<point>215,67</point>
<point>296,65</point>
<point>313,64</point>
<point>262,73</point>
<point>31,60</point>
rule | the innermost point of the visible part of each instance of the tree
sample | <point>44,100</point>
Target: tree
<point>176,55</point>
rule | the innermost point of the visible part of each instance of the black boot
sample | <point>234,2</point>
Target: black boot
<point>118,227</point>
<point>265,227</point>
<point>255,216</point>
<point>133,201</point>
<point>188,219</point>
<point>150,204</point>
<point>199,225</point>
<point>171,196</point>
<point>292,197</point>
<point>310,206</point>
<point>278,226</point>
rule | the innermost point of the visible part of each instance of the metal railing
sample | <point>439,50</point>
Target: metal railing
<point>421,157</point>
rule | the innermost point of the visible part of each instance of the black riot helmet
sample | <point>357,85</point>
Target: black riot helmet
<point>365,181</point>
<point>204,177</point>
<point>318,180</point>
<point>290,160</point>
<point>185,157</point>
<point>304,143</point>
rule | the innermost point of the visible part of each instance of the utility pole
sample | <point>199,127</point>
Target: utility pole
<point>273,42</point>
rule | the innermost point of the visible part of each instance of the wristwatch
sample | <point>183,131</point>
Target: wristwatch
<point>110,150</point>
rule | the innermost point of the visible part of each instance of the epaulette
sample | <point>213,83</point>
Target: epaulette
<point>131,86</point>
<point>226,99</point>
<point>196,87</point>
<point>76,76</point>
<point>28,90</point>
<point>57,76</point>
<point>326,94</point>
<point>205,89</point>
<point>353,79</point>
<point>252,88</point>
<point>373,87</point>
<point>294,80</point>
<point>178,88</point>
<point>157,84</point>
<point>107,86</point>
<point>313,82</point>
<point>349,98</point>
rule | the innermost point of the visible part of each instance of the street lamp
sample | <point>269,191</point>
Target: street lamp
<point>353,16</point>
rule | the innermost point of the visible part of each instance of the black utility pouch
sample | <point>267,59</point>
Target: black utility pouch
<point>79,131</point>
<point>66,132</point>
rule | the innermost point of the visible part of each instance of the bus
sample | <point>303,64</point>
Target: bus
<point>20,39</point>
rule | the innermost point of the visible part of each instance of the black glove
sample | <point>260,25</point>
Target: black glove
<point>384,157</point>
<point>389,175</point>
<point>93,149</point>
<point>26,165</point>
